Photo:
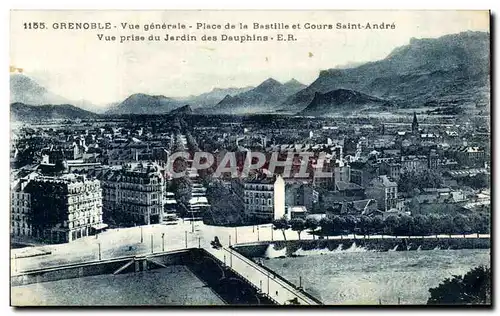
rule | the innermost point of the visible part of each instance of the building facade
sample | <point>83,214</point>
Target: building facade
<point>384,191</point>
<point>20,209</point>
<point>264,199</point>
<point>132,193</point>
<point>64,208</point>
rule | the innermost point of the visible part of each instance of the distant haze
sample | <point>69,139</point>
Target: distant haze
<point>75,65</point>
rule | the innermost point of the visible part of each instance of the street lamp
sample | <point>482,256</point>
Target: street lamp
<point>258,233</point>
<point>163,241</point>
<point>99,244</point>
<point>186,238</point>
<point>151,243</point>
<point>268,280</point>
<point>235,235</point>
<point>141,235</point>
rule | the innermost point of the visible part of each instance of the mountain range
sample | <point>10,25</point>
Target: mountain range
<point>213,97</point>
<point>24,89</point>
<point>438,70</point>
<point>265,98</point>
<point>24,112</point>
<point>446,71</point>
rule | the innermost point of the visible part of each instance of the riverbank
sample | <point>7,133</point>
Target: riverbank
<point>376,278</point>
<point>272,249</point>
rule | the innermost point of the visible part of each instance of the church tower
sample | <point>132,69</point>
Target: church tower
<point>414,124</point>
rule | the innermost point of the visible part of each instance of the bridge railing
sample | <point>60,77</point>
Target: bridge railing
<point>273,277</point>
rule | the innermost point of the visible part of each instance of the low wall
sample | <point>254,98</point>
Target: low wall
<point>226,283</point>
<point>92,268</point>
<point>253,250</point>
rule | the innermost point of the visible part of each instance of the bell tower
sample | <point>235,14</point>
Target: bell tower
<point>414,124</point>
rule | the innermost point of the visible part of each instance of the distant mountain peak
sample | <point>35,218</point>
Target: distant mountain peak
<point>141,103</point>
<point>147,96</point>
<point>294,83</point>
<point>270,82</point>
<point>329,102</point>
<point>186,109</point>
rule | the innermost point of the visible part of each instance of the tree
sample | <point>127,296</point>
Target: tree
<point>326,224</point>
<point>298,225</point>
<point>405,226</point>
<point>311,224</point>
<point>483,225</point>
<point>472,288</point>
<point>182,189</point>
<point>281,224</point>
<point>461,224</point>
<point>446,225</point>
<point>434,224</point>
<point>350,223</point>
<point>409,181</point>
<point>391,222</point>
<point>478,181</point>
<point>414,206</point>
<point>365,225</point>
<point>338,225</point>
<point>377,224</point>
<point>421,225</point>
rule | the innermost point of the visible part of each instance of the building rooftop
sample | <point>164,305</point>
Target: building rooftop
<point>345,186</point>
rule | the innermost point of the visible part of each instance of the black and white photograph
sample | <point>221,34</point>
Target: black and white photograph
<point>250,158</point>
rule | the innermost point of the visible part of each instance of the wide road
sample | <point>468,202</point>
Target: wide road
<point>143,240</point>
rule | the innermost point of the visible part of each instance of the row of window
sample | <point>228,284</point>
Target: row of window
<point>85,188</point>
<point>76,208</point>
<point>20,196</point>
<point>258,187</point>
<point>84,213</point>
<point>83,222</point>
<point>21,224</point>
<point>259,201</point>
<point>21,203</point>
<point>259,195</point>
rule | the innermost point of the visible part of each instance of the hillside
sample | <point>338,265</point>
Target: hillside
<point>145,104</point>
<point>24,112</point>
<point>324,104</point>
<point>186,109</point>
<point>452,69</point>
<point>24,89</point>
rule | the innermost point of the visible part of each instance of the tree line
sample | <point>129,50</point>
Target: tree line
<point>394,225</point>
<point>473,288</point>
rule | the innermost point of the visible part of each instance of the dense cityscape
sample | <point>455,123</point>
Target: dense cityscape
<point>412,176</point>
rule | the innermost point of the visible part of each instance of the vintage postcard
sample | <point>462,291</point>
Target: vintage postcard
<point>204,158</point>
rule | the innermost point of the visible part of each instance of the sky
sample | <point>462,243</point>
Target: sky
<point>76,65</point>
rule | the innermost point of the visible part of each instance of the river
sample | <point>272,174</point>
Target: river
<point>357,276</point>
